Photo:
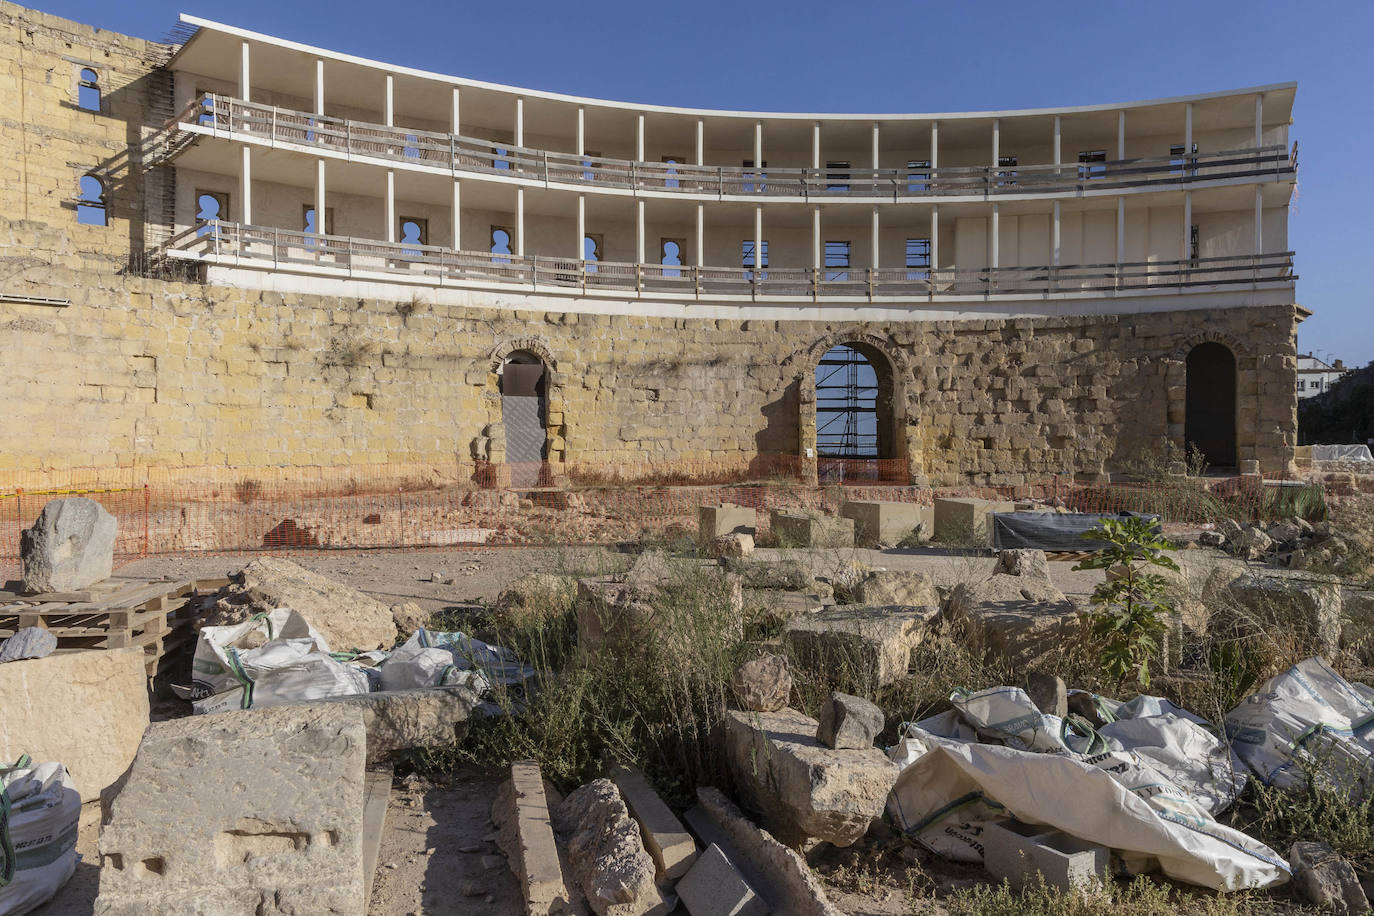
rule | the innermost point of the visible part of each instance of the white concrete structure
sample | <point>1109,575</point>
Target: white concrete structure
<point>434,180</point>
<point>1316,375</point>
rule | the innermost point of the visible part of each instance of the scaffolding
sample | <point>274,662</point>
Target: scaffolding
<point>846,405</point>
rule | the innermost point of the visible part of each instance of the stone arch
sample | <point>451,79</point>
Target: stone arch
<point>551,410</point>
<point>1244,388</point>
<point>898,412</point>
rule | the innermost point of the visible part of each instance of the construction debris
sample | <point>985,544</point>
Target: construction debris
<point>37,833</point>
<point>70,546</point>
<point>664,836</point>
<point>607,855</point>
<point>714,887</point>
<point>762,684</point>
<point>1327,880</point>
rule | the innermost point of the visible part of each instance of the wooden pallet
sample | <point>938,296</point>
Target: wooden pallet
<point>1075,555</point>
<point>113,614</point>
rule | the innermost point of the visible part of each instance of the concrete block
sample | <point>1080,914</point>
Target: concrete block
<point>714,887</point>
<point>1017,852</point>
<point>85,710</point>
<point>716,521</point>
<point>524,831</point>
<point>880,522</point>
<point>800,528</point>
<point>671,846</point>
<point>966,521</point>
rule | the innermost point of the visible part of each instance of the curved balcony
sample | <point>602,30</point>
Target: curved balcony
<point>267,248</point>
<point>217,115</point>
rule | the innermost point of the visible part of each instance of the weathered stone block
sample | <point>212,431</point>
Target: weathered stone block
<point>714,887</point>
<point>1309,606</point>
<point>881,522</point>
<point>524,831</point>
<point>716,521</point>
<point>800,787</point>
<point>871,644</point>
<point>397,720</point>
<point>665,838</point>
<point>966,522</point>
<point>897,587</point>
<point>70,546</point>
<point>1326,879</point>
<point>85,710</point>
<point>762,684</point>
<point>344,616</point>
<point>849,722</point>
<point>251,811</point>
<point>606,852</point>
<point>1018,618</point>
<point>798,528</point>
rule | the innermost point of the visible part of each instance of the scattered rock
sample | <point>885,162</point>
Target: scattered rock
<point>1310,607</point>
<point>1211,539</point>
<point>1048,692</point>
<point>29,642</point>
<point>1324,878</point>
<point>849,722</point>
<point>1017,618</point>
<point>1024,562</point>
<point>762,684</point>
<point>70,546</point>
<point>897,587</point>
<point>398,720</point>
<point>606,852</point>
<point>732,545</point>
<point>1251,544</point>
<point>408,617</point>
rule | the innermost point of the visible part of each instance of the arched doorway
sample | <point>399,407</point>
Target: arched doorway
<point>1209,419</point>
<point>524,415</point>
<point>855,432</point>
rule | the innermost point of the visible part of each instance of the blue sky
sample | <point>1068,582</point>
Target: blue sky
<point>890,56</point>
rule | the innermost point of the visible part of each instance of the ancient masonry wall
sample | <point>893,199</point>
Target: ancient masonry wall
<point>139,372</point>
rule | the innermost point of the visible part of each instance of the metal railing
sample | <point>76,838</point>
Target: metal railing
<point>265,247</point>
<point>453,153</point>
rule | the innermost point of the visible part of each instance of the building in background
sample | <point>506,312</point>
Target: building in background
<point>1316,375</point>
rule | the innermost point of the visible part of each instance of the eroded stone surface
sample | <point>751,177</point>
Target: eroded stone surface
<point>871,644</point>
<point>762,684</point>
<point>1324,878</point>
<point>1024,562</point>
<point>397,720</point>
<point>1310,607</point>
<point>1018,618</point>
<point>70,546</point>
<point>849,722</point>
<point>607,855</point>
<point>525,834</point>
<point>897,587</point>
<point>251,811</point>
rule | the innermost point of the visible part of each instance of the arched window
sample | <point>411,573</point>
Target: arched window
<point>670,175</point>
<point>846,405</point>
<point>500,245</point>
<point>210,206</point>
<point>671,257</point>
<point>90,208</point>
<point>1209,412</point>
<point>88,90</point>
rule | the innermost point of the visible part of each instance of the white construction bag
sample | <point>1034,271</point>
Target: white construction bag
<point>1308,718</point>
<point>269,660</point>
<point>39,813</point>
<point>435,659</point>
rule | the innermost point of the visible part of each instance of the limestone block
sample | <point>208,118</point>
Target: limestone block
<point>1024,562</point>
<point>610,614</point>
<point>849,722</point>
<point>1324,878</point>
<point>251,811</point>
<point>70,546</point>
<point>606,852</point>
<point>800,787</point>
<point>732,545</point>
<point>524,831</point>
<point>714,887</point>
<point>801,528</point>
<point>762,684</point>
<point>664,837</point>
<point>881,522</point>
<point>728,518</point>
<point>1308,606</point>
<point>897,587</point>
<point>85,710</point>
<point>397,720</point>
<point>1017,853</point>
<point>872,644</point>
<point>1018,618</point>
<point>966,521</point>
<point>1048,692</point>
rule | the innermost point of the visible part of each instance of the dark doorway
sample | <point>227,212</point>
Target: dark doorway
<point>1210,406</point>
<point>522,414</point>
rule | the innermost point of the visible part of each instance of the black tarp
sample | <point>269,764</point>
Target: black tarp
<point>1051,530</point>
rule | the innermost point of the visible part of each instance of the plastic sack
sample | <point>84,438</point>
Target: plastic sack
<point>40,811</point>
<point>437,659</point>
<point>269,660</point>
<point>1308,718</point>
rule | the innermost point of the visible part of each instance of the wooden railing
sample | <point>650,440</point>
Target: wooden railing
<point>265,247</point>
<point>454,153</point>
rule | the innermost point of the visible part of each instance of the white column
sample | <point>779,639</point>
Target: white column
<point>1187,222</point>
<point>816,145</point>
<point>520,222</point>
<point>701,233</point>
<point>639,232</point>
<point>874,262</point>
<point>390,207</point>
<point>993,240</point>
<point>245,86</point>
<point>1259,120</point>
<point>457,214</point>
<point>996,141</point>
<point>1188,129</point>
<point>1259,219</point>
<point>639,140</point>
<point>389,103</point>
<point>1120,135</point>
<point>1058,141</point>
<point>455,122</point>
<point>581,226</point>
<point>758,239</point>
<point>246,184</point>
<point>934,144</point>
<point>934,238</point>
<point>319,197</point>
<point>519,121</point>
<point>1054,236</point>
<point>816,261</point>
<point>581,131</point>
<point>1120,230</point>
<point>875,146</point>
<point>319,87</point>
<point>701,141</point>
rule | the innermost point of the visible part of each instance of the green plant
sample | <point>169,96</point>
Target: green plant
<point>1132,602</point>
<point>1313,810</point>
<point>913,538</point>
<point>1140,897</point>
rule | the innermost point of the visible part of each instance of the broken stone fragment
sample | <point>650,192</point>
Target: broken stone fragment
<point>870,646</point>
<point>732,545</point>
<point>70,546</point>
<point>897,587</point>
<point>762,684</point>
<point>1017,618</point>
<point>1324,878</point>
<point>1025,562</point>
<point>849,722</point>
<point>1048,692</point>
<point>606,853</point>
<point>29,642</point>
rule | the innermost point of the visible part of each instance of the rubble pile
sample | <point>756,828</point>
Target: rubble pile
<point>1294,542</point>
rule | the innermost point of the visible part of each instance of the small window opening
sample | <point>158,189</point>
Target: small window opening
<point>670,256</point>
<point>758,178</point>
<point>591,252</point>
<point>1092,164</point>
<point>412,147</point>
<point>917,259</point>
<point>1183,159</point>
<point>91,208</point>
<point>210,206</point>
<point>413,232</point>
<point>918,176</point>
<point>88,90</point>
<point>501,158</point>
<point>837,261</point>
<point>500,245</point>
<point>1006,170</point>
<point>747,259</point>
<point>837,176</point>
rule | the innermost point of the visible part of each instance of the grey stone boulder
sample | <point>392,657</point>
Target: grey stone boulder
<point>1048,692</point>
<point>762,684</point>
<point>70,546</point>
<point>1211,539</point>
<point>30,642</point>
<point>606,852</point>
<point>803,789</point>
<point>1251,544</point>
<point>251,811</point>
<point>1309,607</point>
<point>897,587</point>
<point>849,722</point>
<point>1017,618</point>
<point>1324,878</point>
<point>1026,562</point>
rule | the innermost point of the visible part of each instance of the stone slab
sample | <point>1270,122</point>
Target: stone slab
<point>376,797</point>
<point>717,521</point>
<point>398,720</point>
<point>525,835</point>
<point>800,528</point>
<point>714,887</point>
<point>671,846</point>
<point>966,521</point>
<point>802,788</point>
<point>871,643</point>
<point>344,616</point>
<point>1016,853</point>
<point>884,522</point>
<point>85,710</point>
<point>250,811</point>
